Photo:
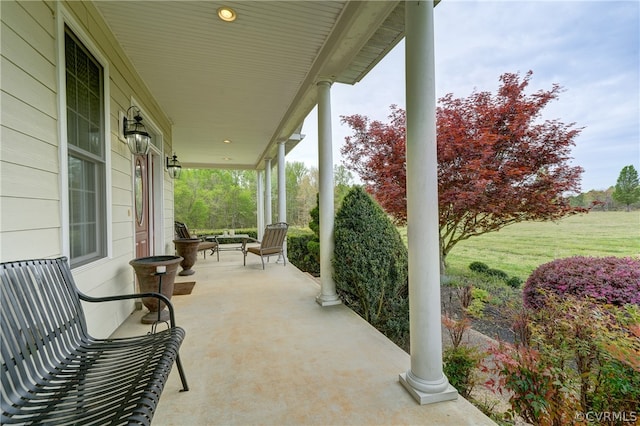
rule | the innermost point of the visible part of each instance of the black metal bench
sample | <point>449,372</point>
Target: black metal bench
<point>54,372</point>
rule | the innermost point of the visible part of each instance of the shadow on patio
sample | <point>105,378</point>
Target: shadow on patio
<point>259,350</point>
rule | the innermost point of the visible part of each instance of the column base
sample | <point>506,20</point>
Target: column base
<point>449,394</point>
<point>324,300</point>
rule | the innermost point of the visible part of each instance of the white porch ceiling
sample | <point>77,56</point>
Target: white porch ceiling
<point>252,81</point>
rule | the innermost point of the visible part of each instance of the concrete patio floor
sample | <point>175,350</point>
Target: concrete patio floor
<point>260,350</point>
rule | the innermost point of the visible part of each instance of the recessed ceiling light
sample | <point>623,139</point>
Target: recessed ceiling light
<point>227,158</point>
<point>227,14</point>
<point>226,141</point>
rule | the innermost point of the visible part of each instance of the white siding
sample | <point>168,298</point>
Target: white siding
<point>31,179</point>
<point>29,155</point>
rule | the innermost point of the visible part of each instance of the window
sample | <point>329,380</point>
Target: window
<point>86,153</point>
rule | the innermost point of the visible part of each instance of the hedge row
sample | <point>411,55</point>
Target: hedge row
<point>298,253</point>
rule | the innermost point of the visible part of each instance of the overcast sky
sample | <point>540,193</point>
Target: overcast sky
<point>590,48</point>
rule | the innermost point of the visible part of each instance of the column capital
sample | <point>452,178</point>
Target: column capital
<point>324,82</point>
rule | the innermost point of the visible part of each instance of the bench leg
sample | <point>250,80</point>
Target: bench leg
<point>183,378</point>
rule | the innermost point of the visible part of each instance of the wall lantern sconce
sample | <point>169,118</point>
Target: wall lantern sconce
<point>173,167</point>
<point>137,137</point>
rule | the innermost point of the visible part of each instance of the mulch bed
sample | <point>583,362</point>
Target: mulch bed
<point>495,322</point>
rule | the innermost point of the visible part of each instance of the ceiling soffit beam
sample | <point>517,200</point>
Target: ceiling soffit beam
<point>357,24</point>
<point>385,38</point>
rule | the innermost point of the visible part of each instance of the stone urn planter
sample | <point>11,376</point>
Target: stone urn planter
<point>188,249</point>
<point>146,269</point>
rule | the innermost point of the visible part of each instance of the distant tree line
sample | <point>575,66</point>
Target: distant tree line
<point>597,200</point>
<point>625,195</point>
<point>227,199</point>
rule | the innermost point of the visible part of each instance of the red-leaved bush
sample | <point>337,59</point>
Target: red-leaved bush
<point>612,280</point>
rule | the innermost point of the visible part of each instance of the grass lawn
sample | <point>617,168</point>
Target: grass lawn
<point>519,249</point>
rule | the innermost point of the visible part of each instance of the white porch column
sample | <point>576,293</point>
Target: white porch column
<point>282,184</point>
<point>328,295</point>
<point>260,202</point>
<point>267,191</point>
<point>282,192</point>
<point>425,380</point>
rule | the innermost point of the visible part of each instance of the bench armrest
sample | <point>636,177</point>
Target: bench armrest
<point>162,297</point>
<point>248,240</point>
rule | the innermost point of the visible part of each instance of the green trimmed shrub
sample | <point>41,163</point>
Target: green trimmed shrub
<point>483,268</point>
<point>479,267</point>
<point>371,266</point>
<point>497,273</point>
<point>298,254</point>
<point>313,245</point>
<point>514,282</point>
<point>303,249</point>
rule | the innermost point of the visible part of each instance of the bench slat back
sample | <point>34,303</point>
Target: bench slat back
<point>42,320</point>
<point>274,235</point>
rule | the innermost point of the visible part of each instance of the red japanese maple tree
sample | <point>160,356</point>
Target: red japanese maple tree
<point>498,162</point>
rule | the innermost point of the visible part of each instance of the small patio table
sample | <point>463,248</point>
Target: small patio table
<point>229,246</point>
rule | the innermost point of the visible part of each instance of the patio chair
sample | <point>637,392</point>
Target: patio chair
<point>272,243</point>
<point>183,232</point>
